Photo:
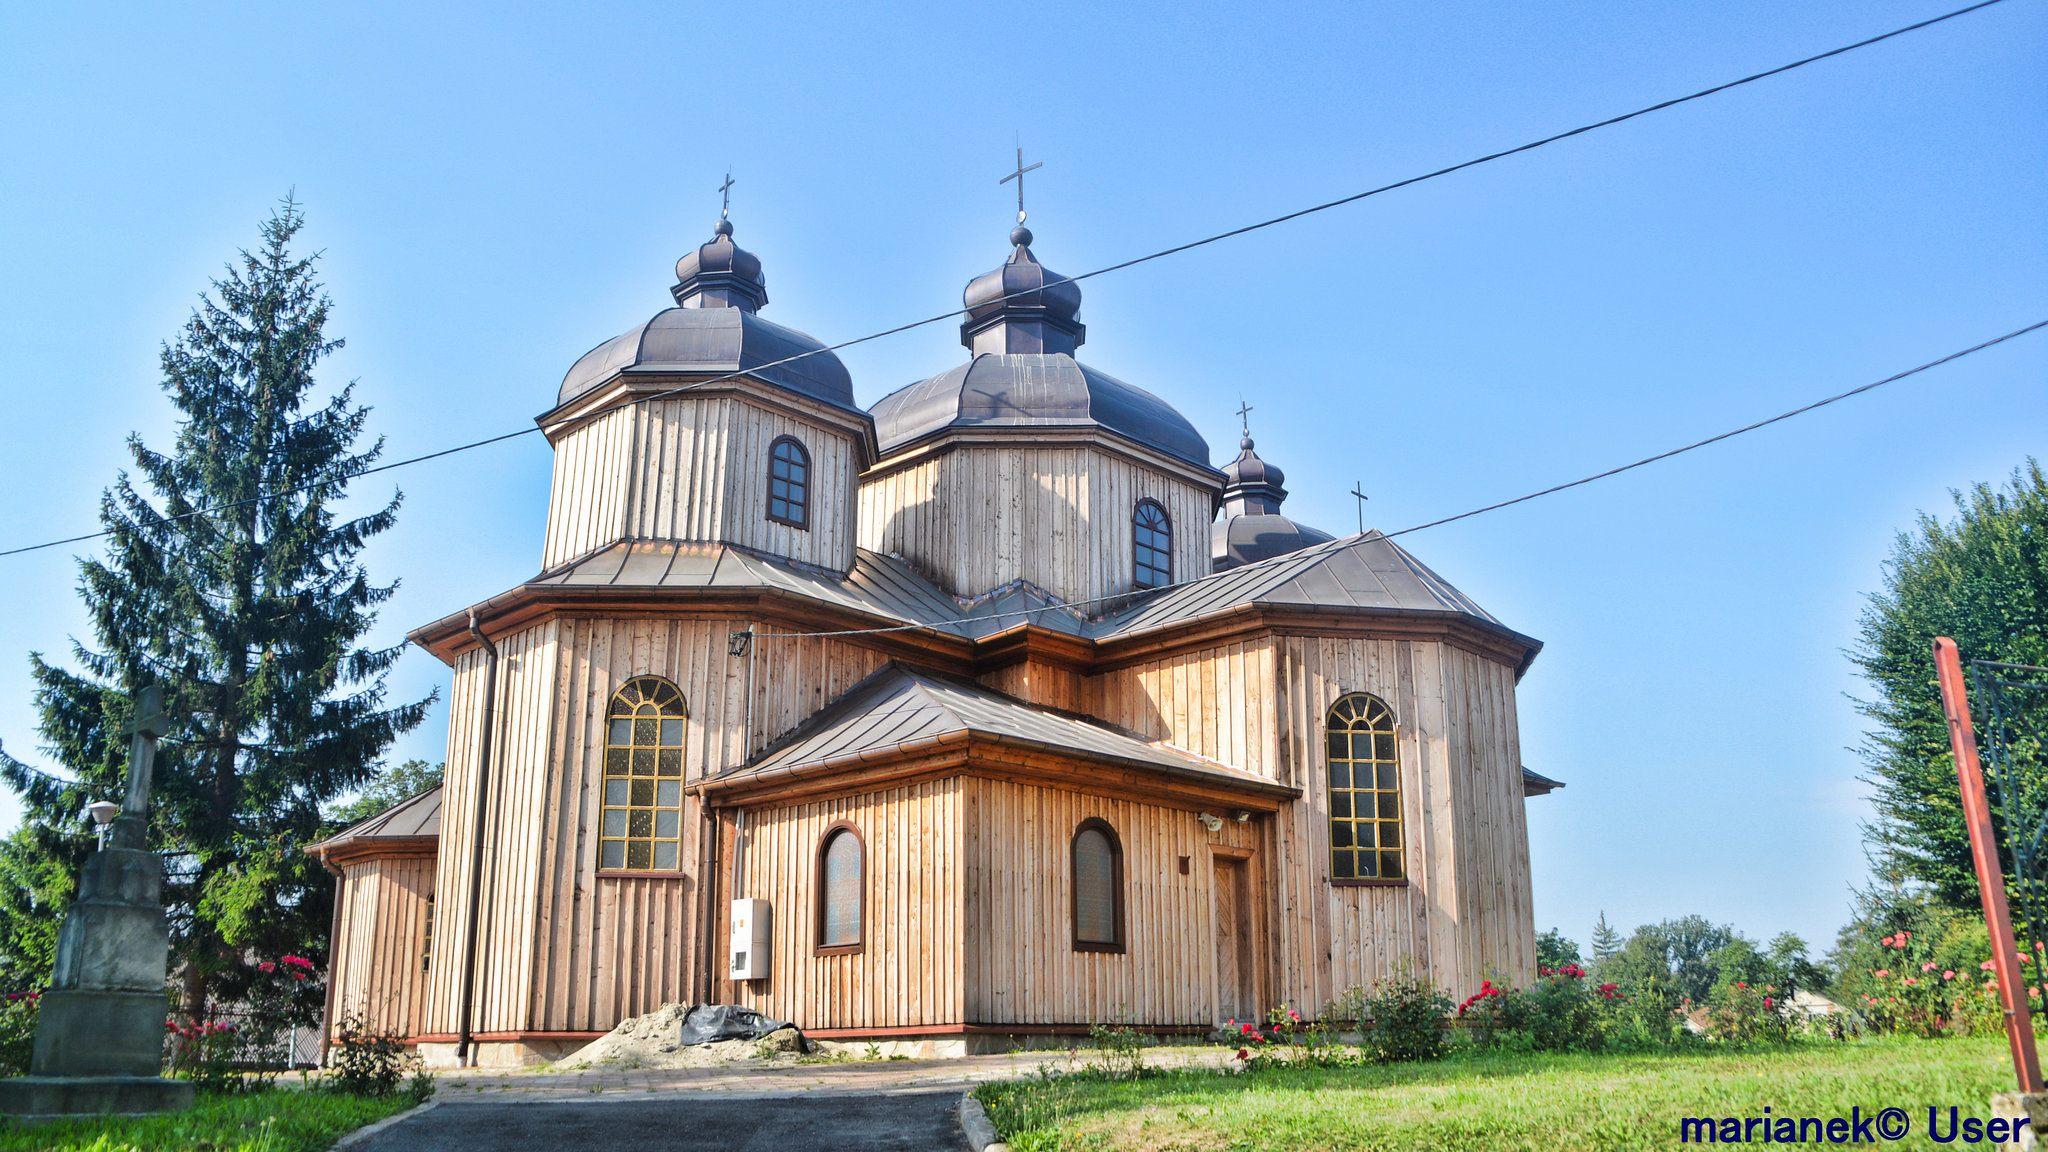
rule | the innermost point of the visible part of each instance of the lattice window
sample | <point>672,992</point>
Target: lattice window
<point>789,483</point>
<point>427,938</point>
<point>643,777</point>
<point>1098,889</point>
<point>842,891</point>
<point>1151,545</point>
<point>1365,791</point>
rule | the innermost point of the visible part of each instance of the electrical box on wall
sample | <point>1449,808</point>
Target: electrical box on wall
<point>749,940</point>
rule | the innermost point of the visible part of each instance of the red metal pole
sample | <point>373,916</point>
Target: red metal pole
<point>1962,737</point>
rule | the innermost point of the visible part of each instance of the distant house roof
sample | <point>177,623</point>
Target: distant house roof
<point>1536,785</point>
<point>900,710</point>
<point>407,826</point>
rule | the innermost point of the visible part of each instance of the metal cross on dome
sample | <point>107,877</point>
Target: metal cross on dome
<point>1244,416</point>
<point>1358,490</point>
<point>1018,176</point>
<point>725,197</point>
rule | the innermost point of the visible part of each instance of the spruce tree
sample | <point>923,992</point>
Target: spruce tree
<point>1606,941</point>
<point>236,583</point>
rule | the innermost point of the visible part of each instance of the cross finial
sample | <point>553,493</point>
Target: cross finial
<point>1244,415</point>
<point>1358,490</point>
<point>725,197</point>
<point>1018,176</point>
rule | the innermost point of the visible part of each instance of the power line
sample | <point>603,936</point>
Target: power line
<point>1555,488</point>
<point>1161,254</point>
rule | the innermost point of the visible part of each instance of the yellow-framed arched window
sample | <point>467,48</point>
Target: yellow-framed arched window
<point>642,827</point>
<point>1365,791</point>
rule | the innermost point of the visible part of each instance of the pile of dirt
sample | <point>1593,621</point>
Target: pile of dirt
<point>655,1041</point>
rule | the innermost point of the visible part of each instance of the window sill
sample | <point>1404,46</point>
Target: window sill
<point>838,950</point>
<point>799,525</point>
<point>640,874</point>
<point>1113,949</point>
<point>1335,883</point>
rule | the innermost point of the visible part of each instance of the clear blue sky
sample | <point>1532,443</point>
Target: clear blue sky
<point>498,188</point>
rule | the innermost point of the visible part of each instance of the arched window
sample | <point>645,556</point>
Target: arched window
<point>1365,791</point>
<point>789,482</point>
<point>1098,889</point>
<point>642,825</point>
<point>842,890</point>
<point>1151,546</point>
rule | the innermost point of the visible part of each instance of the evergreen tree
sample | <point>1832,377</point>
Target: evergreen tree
<point>1606,941</point>
<point>1982,579</point>
<point>239,589</point>
<point>391,786</point>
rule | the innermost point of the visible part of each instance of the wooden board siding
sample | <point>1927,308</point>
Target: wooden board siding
<point>978,517</point>
<point>562,948</point>
<point>908,971</point>
<point>1021,965</point>
<point>696,468</point>
<point>1467,913</point>
<point>383,933</point>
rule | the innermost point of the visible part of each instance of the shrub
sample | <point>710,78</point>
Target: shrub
<point>210,1054</point>
<point>1559,1011</point>
<point>368,1062</point>
<point>17,1032</point>
<point>1407,1018</point>
<point>1119,1049</point>
<point>1747,1013</point>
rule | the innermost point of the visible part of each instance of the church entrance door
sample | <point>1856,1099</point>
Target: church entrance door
<point>1237,991</point>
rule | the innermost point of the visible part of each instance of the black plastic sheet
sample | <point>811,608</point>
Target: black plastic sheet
<point>705,1023</point>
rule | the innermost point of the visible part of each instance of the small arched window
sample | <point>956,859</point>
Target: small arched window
<point>789,482</point>
<point>1151,546</point>
<point>842,891</point>
<point>643,777</point>
<point>1098,888</point>
<point>1365,791</point>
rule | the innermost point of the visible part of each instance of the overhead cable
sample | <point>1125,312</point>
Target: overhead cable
<point>1161,254</point>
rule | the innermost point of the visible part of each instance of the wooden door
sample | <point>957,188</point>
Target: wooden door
<point>1237,992</point>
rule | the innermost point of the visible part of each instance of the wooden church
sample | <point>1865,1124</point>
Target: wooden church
<point>952,724</point>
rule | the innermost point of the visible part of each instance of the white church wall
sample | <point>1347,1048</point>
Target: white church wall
<point>696,468</point>
<point>977,516</point>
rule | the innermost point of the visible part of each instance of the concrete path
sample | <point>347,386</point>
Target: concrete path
<point>863,1122</point>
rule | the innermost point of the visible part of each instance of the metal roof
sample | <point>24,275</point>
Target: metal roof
<point>411,818</point>
<point>1021,391</point>
<point>706,341</point>
<point>1534,784</point>
<point>1364,571</point>
<point>899,705</point>
<point>1235,541</point>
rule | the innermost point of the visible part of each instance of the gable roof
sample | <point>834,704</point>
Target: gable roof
<point>410,824</point>
<point>899,710</point>
<point>1361,571</point>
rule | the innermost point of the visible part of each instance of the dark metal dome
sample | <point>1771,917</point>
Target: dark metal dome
<point>1252,528</point>
<point>713,330</point>
<point>1023,391</point>
<point>1022,306</point>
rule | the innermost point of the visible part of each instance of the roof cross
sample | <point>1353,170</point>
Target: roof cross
<point>725,197</point>
<point>1018,176</point>
<point>1244,415</point>
<point>1358,490</point>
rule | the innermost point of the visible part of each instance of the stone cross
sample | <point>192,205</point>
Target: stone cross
<point>148,726</point>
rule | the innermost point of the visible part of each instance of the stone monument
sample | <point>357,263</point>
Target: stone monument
<point>100,1026</point>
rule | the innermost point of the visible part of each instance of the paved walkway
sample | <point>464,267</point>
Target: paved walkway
<point>853,1076</point>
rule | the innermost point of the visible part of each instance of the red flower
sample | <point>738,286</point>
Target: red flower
<point>1881,973</point>
<point>1243,1055</point>
<point>1740,984</point>
<point>1887,941</point>
<point>1609,987</point>
<point>1948,974</point>
<point>297,962</point>
<point>266,966</point>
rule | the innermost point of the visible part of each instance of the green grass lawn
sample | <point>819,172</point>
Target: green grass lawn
<point>281,1120</point>
<point>1495,1102</point>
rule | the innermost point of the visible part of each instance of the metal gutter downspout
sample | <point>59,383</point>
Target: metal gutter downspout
<point>476,860</point>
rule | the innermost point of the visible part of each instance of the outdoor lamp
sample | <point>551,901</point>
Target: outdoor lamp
<point>1212,823</point>
<point>102,813</point>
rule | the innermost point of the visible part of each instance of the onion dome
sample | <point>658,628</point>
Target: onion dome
<point>1022,325</point>
<point>1021,392</point>
<point>1251,528</point>
<point>713,331</point>
<point>1022,307</point>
